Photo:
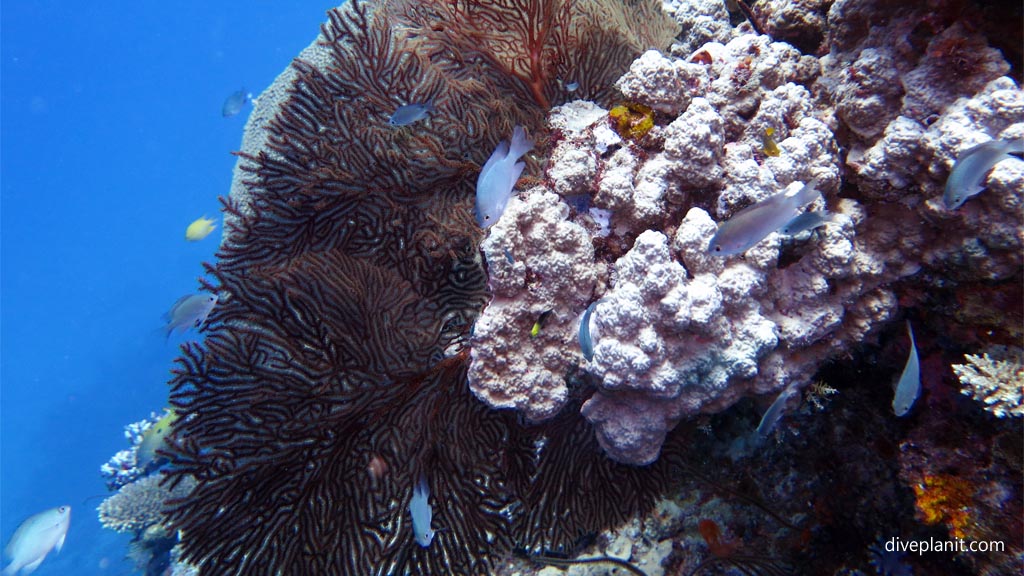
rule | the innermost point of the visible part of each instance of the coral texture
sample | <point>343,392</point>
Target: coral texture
<point>529,275</point>
<point>141,504</point>
<point>995,378</point>
<point>123,467</point>
<point>679,332</point>
<point>334,372</point>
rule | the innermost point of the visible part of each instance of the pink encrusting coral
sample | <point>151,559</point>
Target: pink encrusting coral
<point>680,332</point>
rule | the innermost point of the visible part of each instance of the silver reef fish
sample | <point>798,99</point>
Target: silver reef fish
<point>410,113</point>
<point>909,386</point>
<point>189,312</point>
<point>422,514</point>
<point>967,177</point>
<point>34,539</point>
<point>586,342</point>
<point>498,177</point>
<point>773,414</point>
<point>754,223</point>
<point>234,103</point>
<point>806,221</point>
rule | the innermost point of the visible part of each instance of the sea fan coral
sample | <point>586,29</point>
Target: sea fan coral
<point>334,372</point>
<point>996,379</point>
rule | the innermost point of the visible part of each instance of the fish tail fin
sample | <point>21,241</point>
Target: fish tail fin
<point>1015,146</point>
<point>809,193</point>
<point>520,143</point>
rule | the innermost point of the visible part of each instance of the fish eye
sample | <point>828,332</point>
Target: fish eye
<point>718,248</point>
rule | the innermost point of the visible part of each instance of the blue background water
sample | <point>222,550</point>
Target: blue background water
<point>112,143</point>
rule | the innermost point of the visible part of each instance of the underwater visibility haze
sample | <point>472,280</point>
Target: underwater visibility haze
<point>496,287</point>
<point>112,143</point>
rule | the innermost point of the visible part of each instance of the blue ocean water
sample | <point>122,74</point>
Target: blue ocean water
<point>112,143</point>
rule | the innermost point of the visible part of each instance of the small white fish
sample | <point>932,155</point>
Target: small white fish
<point>909,386</point>
<point>967,177</point>
<point>498,177</point>
<point>189,312</point>
<point>34,539</point>
<point>754,223</point>
<point>422,514</point>
<point>410,113</point>
<point>234,103</point>
<point>586,341</point>
<point>773,414</point>
<point>807,221</point>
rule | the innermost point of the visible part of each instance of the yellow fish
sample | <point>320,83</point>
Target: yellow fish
<point>199,229</point>
<point>153,438</point>
<point>769,147</point>
<point>540,323</point>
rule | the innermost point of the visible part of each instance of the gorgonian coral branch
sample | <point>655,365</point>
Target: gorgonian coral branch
<point>334,372</point>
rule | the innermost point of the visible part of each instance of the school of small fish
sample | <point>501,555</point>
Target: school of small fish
<point>45,531</point>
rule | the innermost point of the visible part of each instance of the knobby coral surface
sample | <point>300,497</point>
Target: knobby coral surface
<point>878,118</point>
<point>335,373</point>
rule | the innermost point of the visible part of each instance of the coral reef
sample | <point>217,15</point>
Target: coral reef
<point>945,499</point>
<point>680,333</point>
<point>349,278</point>
<point>995,378</point>
<point>123,468</point>
<point>135,506</point>
<point>341,365</point>
<point>139,506</point>
<point>510,368</point>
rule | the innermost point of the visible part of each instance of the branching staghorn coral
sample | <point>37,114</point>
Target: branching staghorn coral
<point>995,378</point>
<point>334,372</point>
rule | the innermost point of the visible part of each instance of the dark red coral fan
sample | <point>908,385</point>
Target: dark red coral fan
<point>334,374</point>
